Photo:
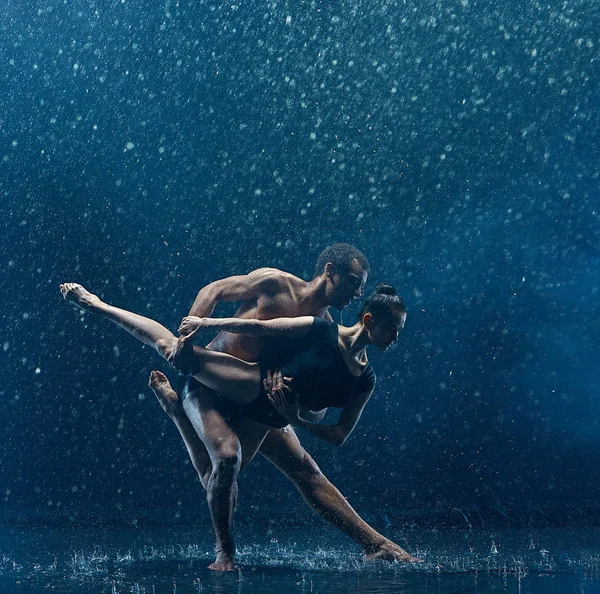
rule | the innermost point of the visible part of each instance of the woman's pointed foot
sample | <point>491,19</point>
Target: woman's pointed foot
<point>80,296</point>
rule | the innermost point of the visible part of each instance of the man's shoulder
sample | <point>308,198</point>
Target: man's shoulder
<point>276,280</point>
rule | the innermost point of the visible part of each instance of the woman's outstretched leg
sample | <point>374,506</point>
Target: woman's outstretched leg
<point>233,378</point>
<point>148,331</point>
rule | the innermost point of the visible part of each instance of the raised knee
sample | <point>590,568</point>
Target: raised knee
<point>165,348</point>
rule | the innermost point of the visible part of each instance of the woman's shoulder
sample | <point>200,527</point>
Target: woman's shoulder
<point>325,330</point>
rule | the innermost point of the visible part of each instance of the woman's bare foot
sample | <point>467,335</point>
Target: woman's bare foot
<point>390,551</point>
<point>223,562</point>
<point>166,396</point>
<point>80,296</point>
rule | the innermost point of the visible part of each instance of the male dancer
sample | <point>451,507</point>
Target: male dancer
<point>220,442</point>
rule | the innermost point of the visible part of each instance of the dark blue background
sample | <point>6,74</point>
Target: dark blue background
<point>149,148</point>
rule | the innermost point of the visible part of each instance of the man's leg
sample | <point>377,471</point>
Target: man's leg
<point>216,457</point>
<point>283,449</point>
<point>207,413</point>
<point>171,403</point>
<point>223,442</point>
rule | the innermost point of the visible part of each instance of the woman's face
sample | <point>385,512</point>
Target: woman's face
<point>384,330</point>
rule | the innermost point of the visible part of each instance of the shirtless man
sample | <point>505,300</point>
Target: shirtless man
<point>220,442</point>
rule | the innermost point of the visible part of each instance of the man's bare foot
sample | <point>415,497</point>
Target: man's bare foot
<point>182,357</point>
<point>166,396</point>
<point>80,296</point>
<point>390,551</point>
<point>223,563</point>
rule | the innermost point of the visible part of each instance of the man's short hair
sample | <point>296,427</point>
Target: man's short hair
<point>341,256</point>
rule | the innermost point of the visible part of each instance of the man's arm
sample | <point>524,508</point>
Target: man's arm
<point>235,288</point>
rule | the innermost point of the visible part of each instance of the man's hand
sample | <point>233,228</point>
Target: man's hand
<point>191,324</point>
<point>277,389</point>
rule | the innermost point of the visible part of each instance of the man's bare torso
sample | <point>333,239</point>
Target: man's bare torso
<point>286,297</point>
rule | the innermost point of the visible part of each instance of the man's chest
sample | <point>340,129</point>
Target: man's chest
<point>281,306</point>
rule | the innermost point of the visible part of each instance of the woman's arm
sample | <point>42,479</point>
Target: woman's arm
<point>289,327</point>
<point>334,434</point>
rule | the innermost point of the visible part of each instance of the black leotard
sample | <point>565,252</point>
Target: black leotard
<point>321,377</point>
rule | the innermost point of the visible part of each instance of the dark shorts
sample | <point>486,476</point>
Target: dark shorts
<point>260,410</point>
<point>187,384</point>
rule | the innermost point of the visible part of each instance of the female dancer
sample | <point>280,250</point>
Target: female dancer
<point>330,369</point>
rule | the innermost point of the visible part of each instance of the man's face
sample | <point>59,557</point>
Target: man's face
<point>342,288</point>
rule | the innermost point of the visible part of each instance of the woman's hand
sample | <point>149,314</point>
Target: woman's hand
<point>277,389</point>
<point>190,325</point>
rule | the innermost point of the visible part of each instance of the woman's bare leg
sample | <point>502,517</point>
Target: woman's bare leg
<point>144,329</point>
<point>233,378</point>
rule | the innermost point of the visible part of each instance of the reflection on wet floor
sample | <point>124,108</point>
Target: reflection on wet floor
<point>114,561</point>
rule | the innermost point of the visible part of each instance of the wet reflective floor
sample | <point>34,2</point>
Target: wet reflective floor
<point>153,560</point>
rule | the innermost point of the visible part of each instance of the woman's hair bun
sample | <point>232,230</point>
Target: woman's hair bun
<point>383,289</point>
<point>382,302</point>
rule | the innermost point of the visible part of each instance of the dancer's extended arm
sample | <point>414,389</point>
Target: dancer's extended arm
<point>289,327</point>
<point>334,434</point>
